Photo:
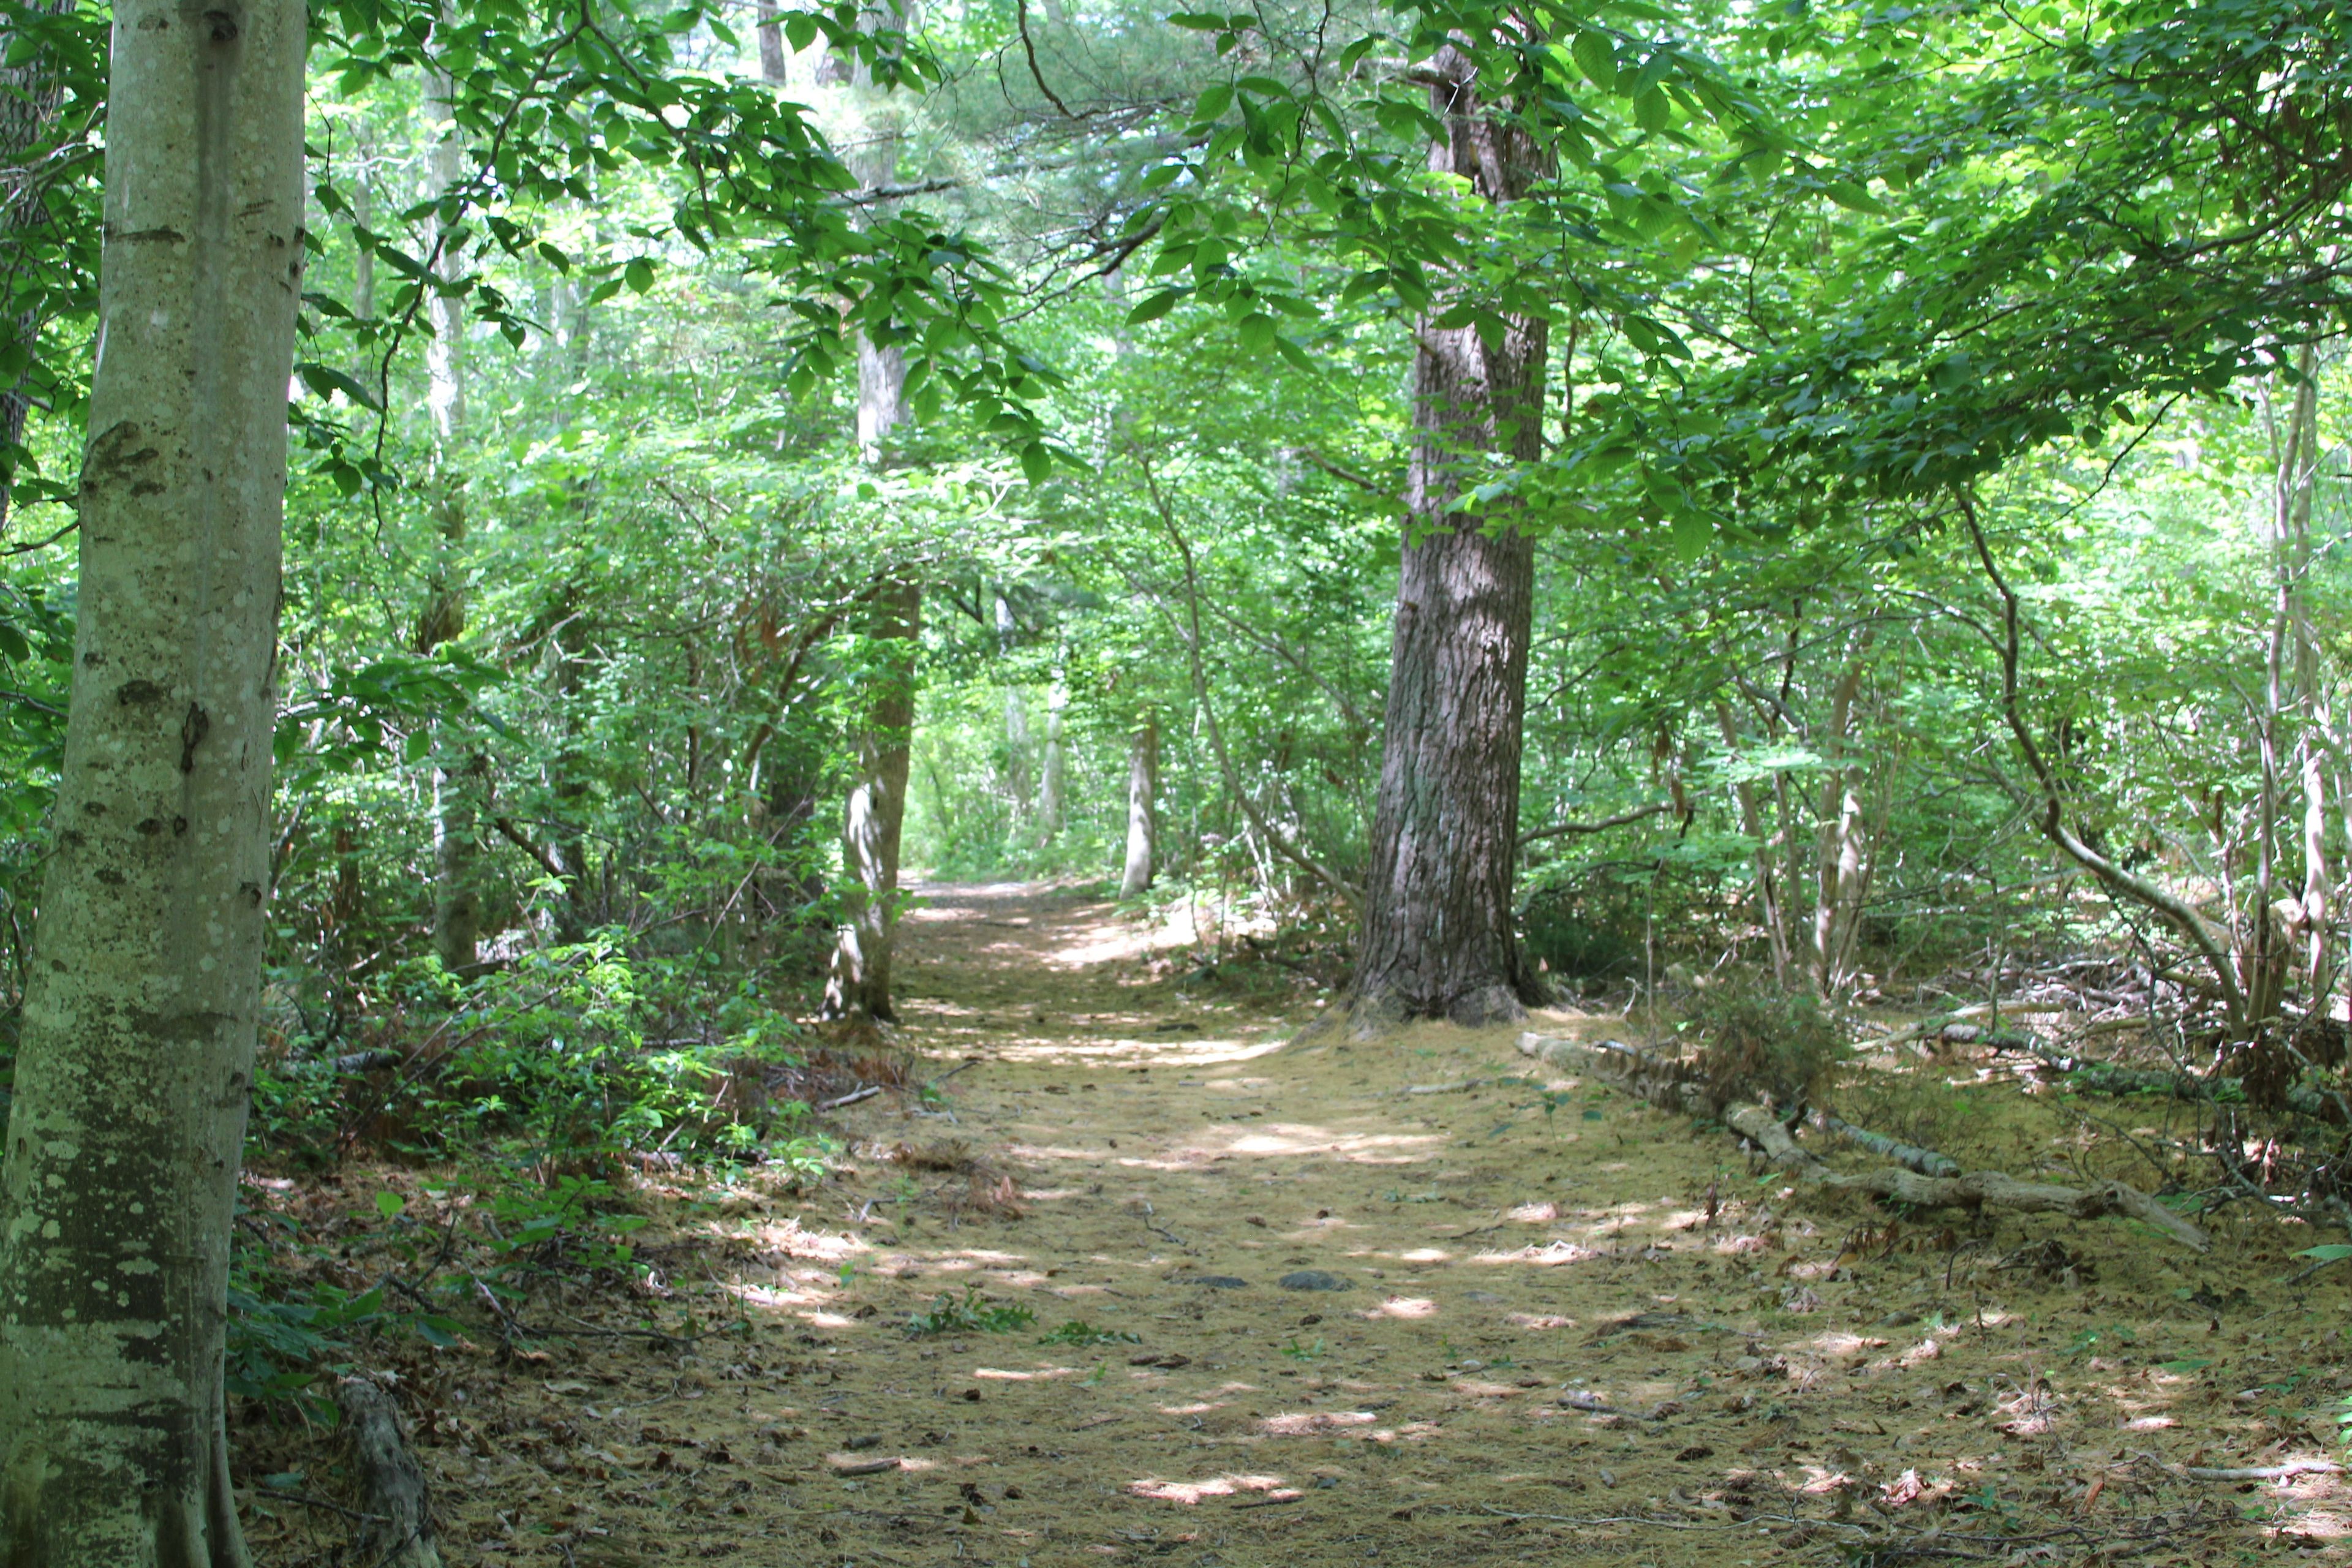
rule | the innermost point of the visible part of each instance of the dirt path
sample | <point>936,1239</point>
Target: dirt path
<point>1569,1330</point>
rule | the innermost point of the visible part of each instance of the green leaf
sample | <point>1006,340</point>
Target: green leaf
<point>2188,1363</point>
<point>1850,196</point>
<point>1596,57</point>
<point>2334,1252</point>
<point>1151,310</point>
<point>1037,462</point>
<point>390,1204</point>
<point>323,379</point>
<point>1693,533</point>
<point>1652,111</point>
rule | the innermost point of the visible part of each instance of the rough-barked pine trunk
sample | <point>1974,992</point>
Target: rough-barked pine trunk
<point>458,769</point>
<point>136,1060</point>
<point>858,983</point>
<point>1142,809</point>
<point>1437,938</point>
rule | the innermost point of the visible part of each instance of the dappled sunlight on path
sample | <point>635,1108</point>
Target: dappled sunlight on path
<point>1149,1282</point>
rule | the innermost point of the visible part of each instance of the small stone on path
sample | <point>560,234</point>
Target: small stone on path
<point>1316,1279</point>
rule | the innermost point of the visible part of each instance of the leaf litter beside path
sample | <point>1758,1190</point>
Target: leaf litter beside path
<point>1581,1330</point>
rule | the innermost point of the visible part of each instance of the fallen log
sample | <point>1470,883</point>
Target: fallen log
<point>1661,1081</point>
<point>1656,1079</point>
<point>401,1532</point>
<point>1976,1190</point>
<point>1926,1162</point>
<point>2094,1076</point>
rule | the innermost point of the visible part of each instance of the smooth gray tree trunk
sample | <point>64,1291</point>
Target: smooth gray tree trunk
<point>1142,809</point>
<point>1437,936</point>
<point>137,1055</point>
<point>1054,771</point>
<point>458,770</point>
<point>858,982</point>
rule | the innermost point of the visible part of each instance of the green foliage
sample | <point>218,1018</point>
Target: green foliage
<point>1754,1042</point>
<point>972,1314</point>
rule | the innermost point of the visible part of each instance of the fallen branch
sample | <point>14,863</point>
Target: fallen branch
<point>1976,1190</point>
<point>2263,1472</point>
<point>1926,1162</point>
<point>866,1091</point>
<point>2096,1077</point>
<point>1935,1026</point>
<point>402,1535</point>
<point>1662,1083</point>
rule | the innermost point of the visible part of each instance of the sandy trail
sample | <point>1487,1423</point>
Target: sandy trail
<point>1571,1330</point>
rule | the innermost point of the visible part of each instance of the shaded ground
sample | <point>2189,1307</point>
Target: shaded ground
<point>1573,1329</point>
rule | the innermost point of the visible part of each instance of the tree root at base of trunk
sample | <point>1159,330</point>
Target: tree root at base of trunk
<point>1659,1081</point>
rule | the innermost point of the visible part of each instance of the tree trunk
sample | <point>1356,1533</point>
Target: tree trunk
<point>1437,938</point>
<point>859,983</point>
<point>458,771</point>
<point>773,62</point>
<point>137,1052</point>
<point>1053,774</point>
<point>1142,809</point>
<point>1839,876</point>
<point>1771,910</point>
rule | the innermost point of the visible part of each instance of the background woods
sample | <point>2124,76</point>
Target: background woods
<point>1813,533</point>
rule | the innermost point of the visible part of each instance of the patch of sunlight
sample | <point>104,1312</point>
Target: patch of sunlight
<point>1410,1432</point>
<point>760,1296</point>
<point>1041,1374</point>
<point>1842,1345</point>
<point>2150,1423</point>
<point>1402,1307</point>
<point>1425,1255</point>
<point>1310,1423</point>
<point>1155,1053</point>
<point>1538,1321</point>
<point>1052,1152</point>
<point>824,1246</point>
<point>1191,1492</point>
<point>1533,1214</point>
<point>830,1320</point>
<point>1479,1389</point>
<point>1198,1407</point>
<point>1819,1480</point>
<point>1549,1255</point>
<point>1282,1138</point>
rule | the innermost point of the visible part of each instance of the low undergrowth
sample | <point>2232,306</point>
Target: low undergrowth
<point>503,1125</point>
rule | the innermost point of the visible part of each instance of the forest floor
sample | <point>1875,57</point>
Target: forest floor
<point>1567,1328</point>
